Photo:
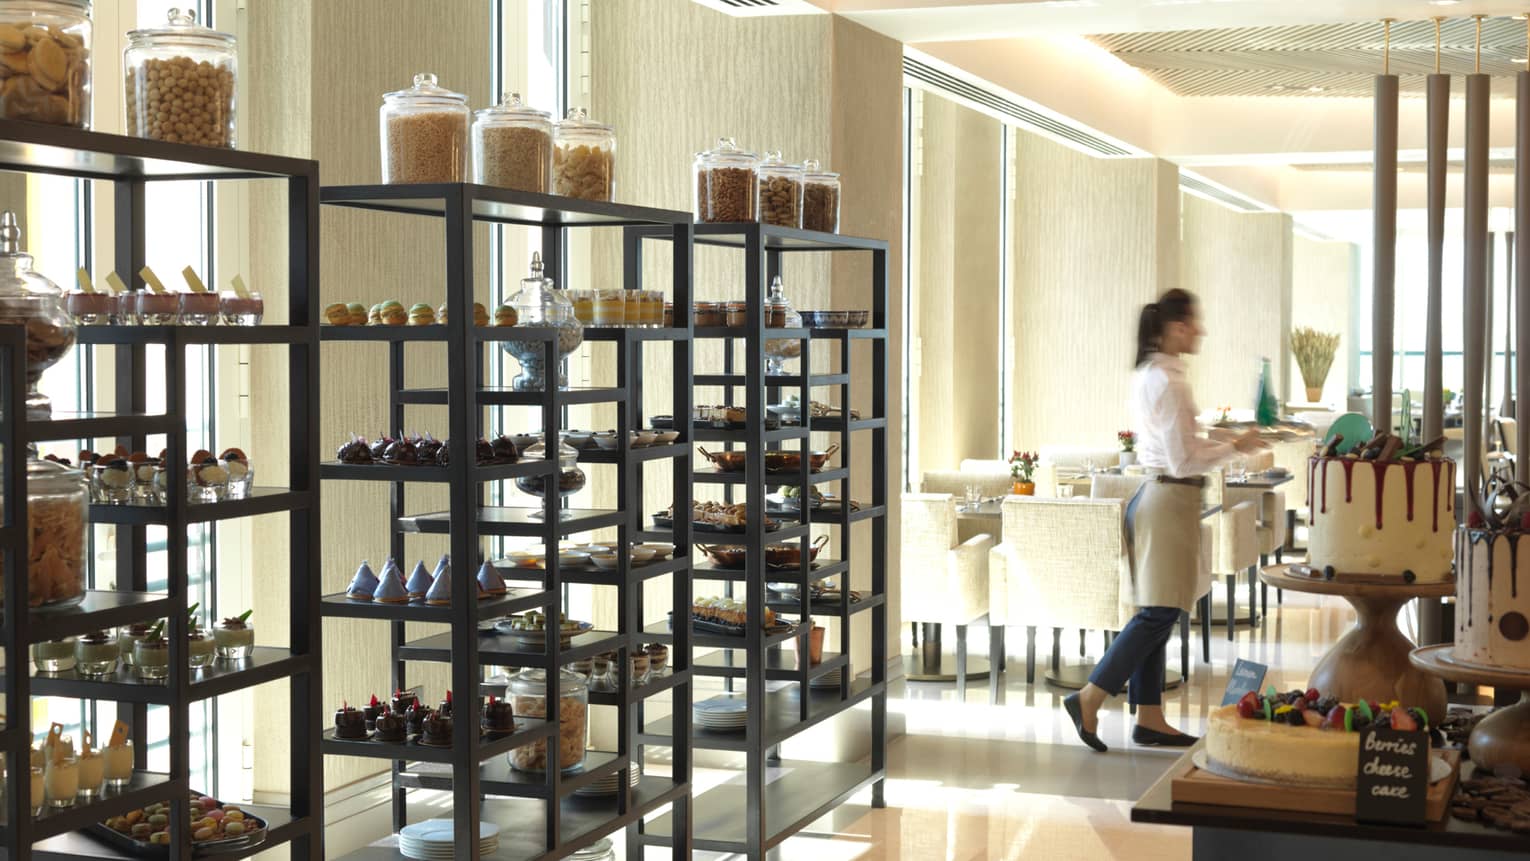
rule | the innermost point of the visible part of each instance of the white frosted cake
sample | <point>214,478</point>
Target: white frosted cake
<point>1382,516</point>
<point>1492,605</point>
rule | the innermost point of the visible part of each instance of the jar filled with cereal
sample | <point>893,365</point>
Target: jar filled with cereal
<point>820,198</point>
<point>57,503</point>
<point>424,133</point>
<point>528,692</point>
<point>780,192</point>
<point>180,82</point>
<point>512,146</point>
<point>584,158</point>
<point>726,184</point>
<point>45,61</point>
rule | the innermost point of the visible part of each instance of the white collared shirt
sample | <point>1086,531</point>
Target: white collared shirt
<point>1163,410</point>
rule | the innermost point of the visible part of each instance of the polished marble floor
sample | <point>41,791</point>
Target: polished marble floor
<point>968,780</point>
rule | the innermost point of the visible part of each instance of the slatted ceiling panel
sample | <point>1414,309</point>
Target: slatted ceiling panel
<point>1341,59</point>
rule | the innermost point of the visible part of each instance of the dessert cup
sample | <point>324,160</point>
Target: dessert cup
<point>54,656</point>
<point>128,637</point>
<point>63,782</point>
<point>119,765</point>
<point>235,639</point>
<point>111,481</point>
<point>241,477</point>
<point>157,309</point>
<point>91,309</point>
<point>200,648</point>
<point>124,309</point>
<point>610,307</point>
<point>39,791</point>
<point>96,654</point>
<point>236,310</point>
<point>145,489</point>
<point>152,658</point>
<point>198,309</point>
<point>92,775</point>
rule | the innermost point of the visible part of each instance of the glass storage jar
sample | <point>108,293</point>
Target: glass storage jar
<point>820,198</point>
<point>28,299</point>
<point>727,184</point>
<point>538,305</point>
<point>512,146</point>
<point>58,500</point>
<point>571,479</point>
<point>424,133</point>
<point>180,82</point>
<point>45,53</point>
<point>780,192</point>
<point>584,158</point>
<point>528,693</point>
<point>779,314</point>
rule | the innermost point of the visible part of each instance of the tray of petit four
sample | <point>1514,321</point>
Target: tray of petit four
<point>720,517</point>
<point>729,617</point>
<point>217,829</point>
<point>405,719</point>
<point>421,450</point>
<point>393,313</point>
<point>531,627</point>
<point>422,587</point>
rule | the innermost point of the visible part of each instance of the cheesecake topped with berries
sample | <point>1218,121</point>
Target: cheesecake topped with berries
<point>1299,738</point>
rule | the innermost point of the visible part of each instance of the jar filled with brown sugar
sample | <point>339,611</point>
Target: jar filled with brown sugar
<point>727,184</point>
<point>180,82</point>
<point>424,132</point>
<point>512,146</point>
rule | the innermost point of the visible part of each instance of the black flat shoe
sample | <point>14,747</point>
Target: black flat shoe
<point>1076,712</point>
<point>1153,738</point>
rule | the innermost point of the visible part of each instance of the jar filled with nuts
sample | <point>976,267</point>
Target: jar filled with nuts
<point>424,133</point>
<point>780,192</point>
<point>180,82</point>
<point>528,697</point>
<point>58,500</point>
<point>820,198</point>
<point>512,146</point>
<point>584,158</point>
<point>29,299</point>
<point>45,61</point>
<point>727,185</point>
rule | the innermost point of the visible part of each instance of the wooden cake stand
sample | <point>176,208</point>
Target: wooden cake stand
<point>1372,659</point>
<point>1504,735</point>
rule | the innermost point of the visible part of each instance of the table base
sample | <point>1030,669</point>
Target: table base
<point>1073,675</point>
<point>928,668</point>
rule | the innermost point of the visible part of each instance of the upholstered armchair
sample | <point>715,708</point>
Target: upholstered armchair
<point>1069,459</point>
<point>1269,528</point>
<point>1062,562</point>
<point>944,581</point>
<point>1234,550</point>
<point>956,483</point>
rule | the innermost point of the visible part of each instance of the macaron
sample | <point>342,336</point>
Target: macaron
<point>337,314</point>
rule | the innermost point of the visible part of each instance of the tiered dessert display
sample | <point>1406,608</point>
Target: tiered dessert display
<point>53,607</point>
<point>1382,515</point>
<point>766,632</point>
<point>494,754</point>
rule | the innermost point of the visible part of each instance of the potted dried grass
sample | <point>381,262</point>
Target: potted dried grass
<point>1314,352</point>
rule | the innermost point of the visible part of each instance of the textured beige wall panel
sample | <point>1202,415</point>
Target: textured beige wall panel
<point>1323,276</point>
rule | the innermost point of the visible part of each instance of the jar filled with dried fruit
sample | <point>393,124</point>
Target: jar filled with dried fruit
<point>424,133</point>
<point>45,61</point>
<point>528,697</point>
<point>180,82</point>
<point>584,158</point>
<point>512,146</point>
<point>780,192</point>
<point>820,198</point>
<point>727,185</point>
<point>28,299</point>
<point>57,504</point>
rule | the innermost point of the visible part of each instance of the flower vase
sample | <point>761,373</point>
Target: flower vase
<point>1024,488</point>
<point>1128,458</point>
<point>1314,394</point>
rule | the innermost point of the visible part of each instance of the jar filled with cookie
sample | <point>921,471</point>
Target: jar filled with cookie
<point>727,185</point>
<point>424,133</point>
<point>584,158</point>
<point>780,192</point>
<point>45,61</point>
<point>58,500</point>
<point>180,82</point>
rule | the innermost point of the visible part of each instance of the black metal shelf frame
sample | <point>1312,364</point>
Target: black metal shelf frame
<point>768,815</point>
<point>465,769</point>
<point>130,164</point>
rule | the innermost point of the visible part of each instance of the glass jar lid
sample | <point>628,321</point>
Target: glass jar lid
<point>532,682</point>
<point>50,476</point>
<point>511,109</point>
<point>773,163</point>
<point>813,170</point>
<point>425,92</point>
<point>16,275</point>
<point>578,119</point>
<point>728,154</point>
<point>181,29</point>
<point>568,456</point>
<point>536,303</point>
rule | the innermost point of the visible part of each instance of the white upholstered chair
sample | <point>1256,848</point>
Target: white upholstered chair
<point>1062,562</point>
<point>944,581</point>
<point>1270,524</point>
<point>956,483</point>
<point>1069,459</point>
<point>1234,550</point>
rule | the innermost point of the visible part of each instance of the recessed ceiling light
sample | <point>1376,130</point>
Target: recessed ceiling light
<point>1519,60</point>
<point>1277,87</point>
<point>1443,2</point>
<point>1316,89</point>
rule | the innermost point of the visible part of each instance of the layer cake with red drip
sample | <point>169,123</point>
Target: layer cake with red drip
<point>1382,509</point>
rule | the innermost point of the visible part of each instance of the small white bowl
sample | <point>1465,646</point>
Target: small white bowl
<point>665,437</point>
<point>605,561</point>
<point>578,439</point>
<point>526,558</point>
<point>642,438</point>
<point>641,554</point>
<point>606,441</point>
<point>660,551</point>
<point>573,558</point>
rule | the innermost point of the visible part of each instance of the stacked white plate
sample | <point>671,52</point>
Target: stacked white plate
<point>827,680</point>
<point>609,784</point>
<point>434,839</point>
<point>722,712</point>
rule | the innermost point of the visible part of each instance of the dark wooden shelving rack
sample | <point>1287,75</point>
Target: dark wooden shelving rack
<point>475,770</point>
<point>749,814</point>
<point>131,165</point>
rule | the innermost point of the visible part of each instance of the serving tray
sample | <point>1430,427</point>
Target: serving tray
<point>206,849</point>
<point>1195,785</point>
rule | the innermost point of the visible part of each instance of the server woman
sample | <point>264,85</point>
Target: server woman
<point>1162,522</point>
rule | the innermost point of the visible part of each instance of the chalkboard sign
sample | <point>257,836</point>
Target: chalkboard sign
<point>1392,783</point>
<point>1246,676</point>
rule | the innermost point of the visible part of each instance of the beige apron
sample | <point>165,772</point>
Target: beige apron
<point>1164,521</point>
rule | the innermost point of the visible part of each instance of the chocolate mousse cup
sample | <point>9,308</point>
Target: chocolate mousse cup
<point>91,309</point>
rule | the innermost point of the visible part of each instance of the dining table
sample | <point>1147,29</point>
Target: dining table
<point>987,517</point>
